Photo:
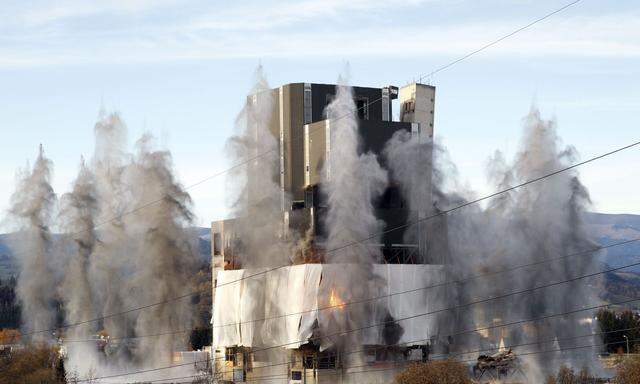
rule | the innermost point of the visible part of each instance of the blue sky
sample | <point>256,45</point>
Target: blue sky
<point>181,70</point>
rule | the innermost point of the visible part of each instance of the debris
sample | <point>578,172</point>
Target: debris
<point>499,365</point>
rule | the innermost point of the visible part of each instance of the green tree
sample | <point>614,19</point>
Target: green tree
<point>615,326</point>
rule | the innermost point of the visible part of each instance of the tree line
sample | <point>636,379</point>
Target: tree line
<point>614,326</point>
<point>9,306</point>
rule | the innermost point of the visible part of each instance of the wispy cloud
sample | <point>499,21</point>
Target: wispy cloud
<point>40,13</point>
<point>286,13</point>
<point>162,31</point>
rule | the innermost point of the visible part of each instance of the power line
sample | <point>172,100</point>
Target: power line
<point>119,216</point>
<point>398,364</point>
<point>169,380</point>
<point>438,356</point>
<point>344,332</point>
<point>490,196</point>
<point>348,303</point>
<point>408,362</point>
<point>491,44</point>
<point>440,69</point>
<point>239,164</point>
<point>510,269</point>
<point>441,213</point>
<point>484,301</point>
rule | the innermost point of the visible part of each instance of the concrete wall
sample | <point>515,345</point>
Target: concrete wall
<point>417,105</point>
<point>291,104</point>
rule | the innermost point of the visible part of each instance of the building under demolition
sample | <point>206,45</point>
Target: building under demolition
<point>308,317</point>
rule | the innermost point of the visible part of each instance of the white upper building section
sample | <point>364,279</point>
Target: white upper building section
<point>417,105</point>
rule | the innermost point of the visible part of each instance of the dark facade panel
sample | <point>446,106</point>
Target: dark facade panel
<point>323,94</point>
<point>375,134</point>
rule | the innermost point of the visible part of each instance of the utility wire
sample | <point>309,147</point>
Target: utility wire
<point>408,362</point>
<point>397,364</point>
<point>460,361</point>
<point>444,356</point>
<point>468,304</point>
<point>244,162</point>
<point>348,303</point>
<point>491,44</point>
<point>440,69</point>
<point>119,216</point>
<point>441,213</point>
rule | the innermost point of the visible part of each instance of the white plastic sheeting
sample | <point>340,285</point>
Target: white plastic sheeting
<point>290,305</point>
<point>408,279</point>
<point>281,307</point>
<point>228,298</point>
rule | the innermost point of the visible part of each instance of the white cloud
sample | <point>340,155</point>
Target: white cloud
<point>293,12</point>
<point>39,13</point>
<point>308,28</point>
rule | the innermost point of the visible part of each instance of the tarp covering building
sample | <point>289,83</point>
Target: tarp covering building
<point>287,306</point>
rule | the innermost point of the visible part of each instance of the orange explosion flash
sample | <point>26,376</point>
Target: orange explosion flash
<point>335,301</point>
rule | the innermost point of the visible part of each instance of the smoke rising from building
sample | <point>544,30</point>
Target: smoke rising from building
<point>427,179</point>
<point>257,199</point>
<point>361,174</point>
<point>353,182</point>
<point>126,257</point>
<point>537,222</point>
<point>31,207</point>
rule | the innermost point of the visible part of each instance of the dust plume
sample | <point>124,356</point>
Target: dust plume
<point>109,261</point>
<point>127,243</point>
<point>259,202</point>
<point>353,181</point>
<point>31,207</point>
<point>537,222</point>
<point>426,177</point>
<point>164,258</point>
<point>78,213</point>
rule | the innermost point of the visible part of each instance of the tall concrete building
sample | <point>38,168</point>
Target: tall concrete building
<point>299,123</point>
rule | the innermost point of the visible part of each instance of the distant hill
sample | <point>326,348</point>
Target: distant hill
<point>620,287</point>
<point>9,267</point>
<point>608,229</point>
<point>605,229</point>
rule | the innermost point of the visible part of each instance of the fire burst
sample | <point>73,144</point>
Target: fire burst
<point>335,301</point>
